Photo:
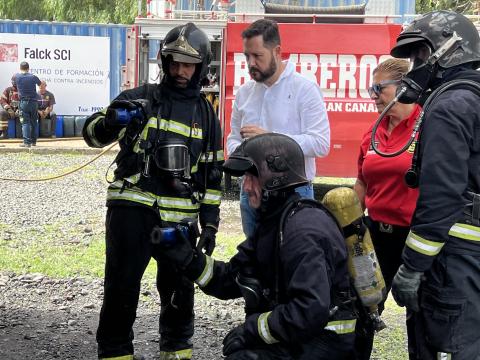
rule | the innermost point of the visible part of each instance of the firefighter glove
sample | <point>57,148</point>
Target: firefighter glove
<point>405,287</point>
<point>207,239</point>
<point>121,112</point>
<point>236,341</point>
<point>180,252</point>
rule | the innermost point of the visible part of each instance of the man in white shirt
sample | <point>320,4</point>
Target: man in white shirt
<point>277,99</point>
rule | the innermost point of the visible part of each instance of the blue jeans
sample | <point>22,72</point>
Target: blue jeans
<point>249,214</point>
<point>29,119</point>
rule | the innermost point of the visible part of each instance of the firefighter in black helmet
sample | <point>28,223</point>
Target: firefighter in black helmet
<point>295,285</point>
<point>439,281</point>
<point>168,169</point>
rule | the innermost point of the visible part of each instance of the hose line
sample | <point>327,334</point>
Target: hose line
<point>65,173</point>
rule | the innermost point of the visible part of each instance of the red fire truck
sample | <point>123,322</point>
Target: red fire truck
<point>340,57</point>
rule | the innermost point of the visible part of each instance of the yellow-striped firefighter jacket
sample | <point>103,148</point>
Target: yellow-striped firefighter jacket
<point>180,114</point>
<point>447,215</point>
<point>308,272</point>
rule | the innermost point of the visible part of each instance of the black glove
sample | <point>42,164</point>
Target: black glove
<point>207,239</point>
<point>236,340</point>
<point>180,252</point>
<point>112,118</point>
<point>405,287</point>
<point>243,355</point>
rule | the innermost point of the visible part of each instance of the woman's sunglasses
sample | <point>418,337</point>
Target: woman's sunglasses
<point>377,88</point>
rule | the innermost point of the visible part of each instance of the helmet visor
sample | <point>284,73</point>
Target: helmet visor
<point>419,55</point>
<point>404,46</point>
<point>238,166</point>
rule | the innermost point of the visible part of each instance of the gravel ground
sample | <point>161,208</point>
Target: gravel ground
<point>45,318</point>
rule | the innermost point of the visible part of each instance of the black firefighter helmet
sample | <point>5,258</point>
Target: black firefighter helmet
<point>276,159</point>
<point>436,41</point>
<point>187,44</point>
<point>435,29</point>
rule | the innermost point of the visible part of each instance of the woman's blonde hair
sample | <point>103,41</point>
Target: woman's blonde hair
<point>395,68</point>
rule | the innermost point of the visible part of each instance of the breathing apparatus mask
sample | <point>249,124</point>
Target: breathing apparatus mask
<point>172,158</point>
<point>423,68</point>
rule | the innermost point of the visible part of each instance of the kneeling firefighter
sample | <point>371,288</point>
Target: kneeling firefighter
<point>440,277</point>
<point>168,169</point>
<point>292,272</point>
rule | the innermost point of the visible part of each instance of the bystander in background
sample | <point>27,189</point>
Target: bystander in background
<point>46,115</point>
<point>9,102</point>
<point>28,104</point>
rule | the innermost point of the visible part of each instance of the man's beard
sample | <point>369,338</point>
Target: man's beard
<point>180,82</point>
<point>262,76</point>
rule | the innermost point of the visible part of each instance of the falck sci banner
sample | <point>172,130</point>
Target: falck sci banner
<point>76,68</point>
<point>338,57</point>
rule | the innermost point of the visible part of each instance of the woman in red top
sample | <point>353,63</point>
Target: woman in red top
<point>380,183</point>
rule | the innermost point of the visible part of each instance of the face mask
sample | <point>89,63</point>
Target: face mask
<point>415,83</point>
<point>418,78</point>
<point>424,66</point>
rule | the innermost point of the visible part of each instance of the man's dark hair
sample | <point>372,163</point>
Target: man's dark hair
<point>24,66</point>
<point>265,27</point>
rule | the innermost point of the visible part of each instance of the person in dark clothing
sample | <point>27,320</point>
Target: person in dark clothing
<point>9,101</point>
<point>440,276</point>
<point>168,169</point>
<point>46,115</point>
<point>292,274</point>
<point>27,92</point>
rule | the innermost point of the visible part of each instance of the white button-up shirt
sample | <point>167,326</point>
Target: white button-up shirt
<point>293,106</point>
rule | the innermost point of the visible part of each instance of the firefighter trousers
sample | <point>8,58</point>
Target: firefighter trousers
<point>448,323</point>
<point>128,252</point>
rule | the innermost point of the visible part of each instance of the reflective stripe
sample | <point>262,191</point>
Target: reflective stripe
<point>464,231</point>
<point>207,273</point>
<point>173,126</point>
<point>444,356</point>
<point>133,179</point>
<point>123,357</point>
<point>166,204</point>
<point>341,326</point>
<point>176,355</point>
<point>91,133</point>
<point>177,203</point>
<point>175,216</point>
<point>212,197</point>
<point>423,246</point>
<point>264,330</point>
<point>209,156</point>
<point>130,195</point>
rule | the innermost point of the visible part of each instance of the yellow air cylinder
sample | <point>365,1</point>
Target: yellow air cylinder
<point>363,265</point>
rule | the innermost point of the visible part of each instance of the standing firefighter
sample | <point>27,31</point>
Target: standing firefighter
<point>292,272</point>
<point>440,277</point>
<point>168,169</point>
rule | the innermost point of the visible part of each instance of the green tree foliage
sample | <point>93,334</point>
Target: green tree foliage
<point>461,6</point>
<point>95,11</point>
